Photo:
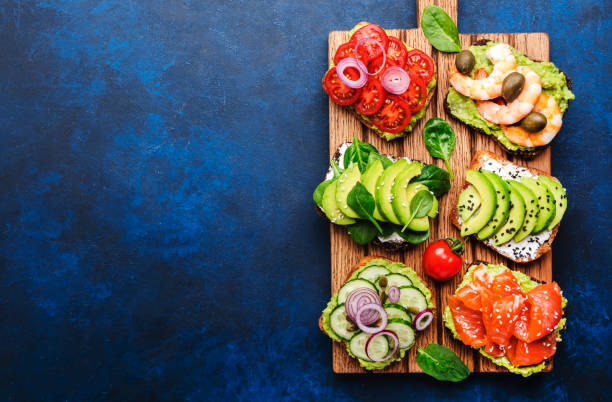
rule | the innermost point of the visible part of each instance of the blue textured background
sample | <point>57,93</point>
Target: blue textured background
<point>157,160</point>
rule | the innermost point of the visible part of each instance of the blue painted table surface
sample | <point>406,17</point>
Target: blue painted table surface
<point>157,160</point>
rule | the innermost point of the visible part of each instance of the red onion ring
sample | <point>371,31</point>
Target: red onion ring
<point>383,316</point>
<point>393,293</point>
<point>384,52</point>
<point>395,80</point>
<point>357,64</point>
<point>358,298</point>
<point>425,315</point>
<point>390,334</point>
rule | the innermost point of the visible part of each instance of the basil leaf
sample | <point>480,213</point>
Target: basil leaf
<point>317,196</point>
<point>440,140</point>
<point>420,205</point>
<point>386,162</point>
<point>434,178</point>
<point>359,152</point>
<point>362,232</point>
<point>440,29</point>
<point>441,363</point>
<point>413,237</point>
<point>361,201</point>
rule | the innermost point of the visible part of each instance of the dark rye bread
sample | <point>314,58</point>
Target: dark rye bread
<point>527,155</point>
<point>477,162</point>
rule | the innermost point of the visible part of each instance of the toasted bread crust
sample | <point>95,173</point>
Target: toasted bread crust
<point>477,163</point>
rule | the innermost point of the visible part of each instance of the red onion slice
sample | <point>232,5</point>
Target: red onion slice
<point>395,80</point>
<point>384,52</point>
<point>423,319</point>
<point>356,64</point>
<point>381,311</point>
<point>393,293</point>
<point>358,298</point>
<point>391,335</point>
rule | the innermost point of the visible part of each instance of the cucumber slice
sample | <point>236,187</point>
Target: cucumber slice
<point>373,273</point>
<point>351,285</point>
<point>340,325</point>
<point>398,280</point>
<point>397,311</point>
<point>404,332</point>
<point>412,299</point>
<point>379,348</point>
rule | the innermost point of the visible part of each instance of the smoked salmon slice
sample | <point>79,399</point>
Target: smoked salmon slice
<point>468,323</point>
<point>524,354</point>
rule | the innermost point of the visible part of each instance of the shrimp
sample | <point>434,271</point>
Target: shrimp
<point>549,108</point>
<point>519,107</point>
<point>504,63</point>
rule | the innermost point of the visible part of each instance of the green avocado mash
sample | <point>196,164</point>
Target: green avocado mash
<point>553,84</point>
<point>394,267</point>
<point>527,284</point>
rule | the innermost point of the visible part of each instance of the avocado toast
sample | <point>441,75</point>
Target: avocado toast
<point>555,90</point>
<point>414,298</point>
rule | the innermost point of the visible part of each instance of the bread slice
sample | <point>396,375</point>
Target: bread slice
<point>477,162</point>
<point>527,155</point>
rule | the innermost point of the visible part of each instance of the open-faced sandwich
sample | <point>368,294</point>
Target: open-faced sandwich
<point>510,318</point>
<point>514,210</point>
<point>380,198</point>
<point>376,311</point>
<point>381,79</point>
<point>498,91</point>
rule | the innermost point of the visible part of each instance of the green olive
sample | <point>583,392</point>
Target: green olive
<point>465,62</point>
<point>533,122</point>
<point>512,86</point>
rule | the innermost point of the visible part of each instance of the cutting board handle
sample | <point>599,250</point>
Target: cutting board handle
<point>450,6</point>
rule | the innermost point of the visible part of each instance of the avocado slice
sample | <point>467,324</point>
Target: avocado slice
<point>331,208</point>
<point>384,184</point>
<point>531,210</point>
<point>402,194</point>
<point>433,212</point>
<point>559,199</point>
<point>369,179</point>
<point>346,181</point>
<point>486,192</point>
<point>401,207</point>
<point>545,203</point>
<point>468,203</point>
<point>502,209</point>
<point>515,218</point>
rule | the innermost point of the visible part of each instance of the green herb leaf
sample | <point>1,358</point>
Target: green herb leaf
<point>440,29</point>
<point>412,236</point>
<point>420,205</point>
<point>361,201</point>
<point>386,162</point>
<point>362,231</point>
<point>335,169</point>
<point>441,363</point>
<point>359,152</point>
<point>317,196</point>
<point>440,140</point>
<point>434,178</point>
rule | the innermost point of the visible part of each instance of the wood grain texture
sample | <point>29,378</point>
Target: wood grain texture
<point>345,253</point>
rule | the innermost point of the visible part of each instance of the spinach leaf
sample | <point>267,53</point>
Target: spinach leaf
<point>362,231</point>
<point>386,162</point>
<point>359,152</point>
<point>440,29</point>
<point>361,201</point>
<point>441,363</point>
<point>317,196</point>
<point>420,205</point>
<point>434,178</point>
<point>440,140</point>
<point>413,237</point>
<point>335,169</point>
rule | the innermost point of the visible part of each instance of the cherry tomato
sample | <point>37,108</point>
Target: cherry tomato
<point>397,51</point>
<point>337,90</point>
<point>348,50</point>
<point>420,64</point>
<point>393,116</point>
<point>416,94</point>
<point>442,258</point>
<point>372,97</point>
<point>375,32</point>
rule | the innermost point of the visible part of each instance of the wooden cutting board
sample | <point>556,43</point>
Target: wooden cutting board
<point>345,253</point>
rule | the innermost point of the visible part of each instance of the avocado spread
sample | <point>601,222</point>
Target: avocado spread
<point>393,267</point>
<point>554,84</point>
<point>527,284</point>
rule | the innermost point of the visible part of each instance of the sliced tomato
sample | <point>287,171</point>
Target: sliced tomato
<point>397,51</point>
<point>542,314</point>
<point>420,64</point>
<point>468,323</point>
<point>337,90</point>
<point>525,354</point>
<point>372,97</point>
<point>375,64</point>
<point>375,32</point>
<point>348,50</point>
<point>393,116</point>
<point>416,94</point>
